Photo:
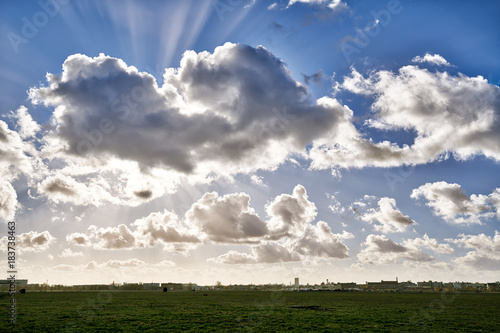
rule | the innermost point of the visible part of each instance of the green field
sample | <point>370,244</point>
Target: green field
<point>251,312</point>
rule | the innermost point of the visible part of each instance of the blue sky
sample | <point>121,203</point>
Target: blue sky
<point>251,141</point>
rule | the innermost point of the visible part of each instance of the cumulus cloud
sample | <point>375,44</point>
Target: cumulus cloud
<point>217,111</point>
<point>319,241</point>
<point>435,59</point>
<point>227,219</point>
<point>291,214</point>
<point>485,254</point>
<point>450,202</point>
<point>32,241</point>
<point>291,235</point>
<point>70,253</point>
<point>113,238</point>
<point>78,238</point>
<point>386,217</point>
<point>162,228</point>
<point>450,114</point>
<point>288,234</point>
<point>378,249</point>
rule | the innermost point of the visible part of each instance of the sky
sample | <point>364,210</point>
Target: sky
<point>250,141</point>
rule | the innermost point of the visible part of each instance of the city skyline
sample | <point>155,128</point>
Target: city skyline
<point>250,141</point>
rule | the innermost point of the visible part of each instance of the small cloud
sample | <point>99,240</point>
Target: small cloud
<point>435,59</point>
<point>78,238</point>
<point>32,241</point>
<point>334,5</point>
<point>257,180</point>
<point>69,253</point>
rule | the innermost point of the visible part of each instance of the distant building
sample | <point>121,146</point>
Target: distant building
<point>151,286</point>
<point>407,286</point>
<point>344,286</point>
<point>383,285</point>
<point>297,282</point>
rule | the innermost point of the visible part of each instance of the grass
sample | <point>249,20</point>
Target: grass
<point>251,312</point>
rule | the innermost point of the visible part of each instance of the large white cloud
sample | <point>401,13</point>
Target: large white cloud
<point>234,110</point>
<point>114,130</point>
<point>450,202</point>
<point>449,113</point>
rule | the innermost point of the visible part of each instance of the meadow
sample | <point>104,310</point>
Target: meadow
<point>256,311</point>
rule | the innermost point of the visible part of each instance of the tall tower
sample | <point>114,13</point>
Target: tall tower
<point>296,282</point>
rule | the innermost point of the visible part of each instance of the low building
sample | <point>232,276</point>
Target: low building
<point>151,286</point>
<point>345,286</point>
<point>383,285</point>
<point>407,286</point>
